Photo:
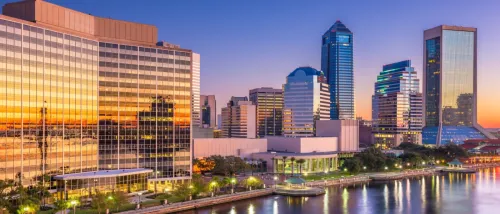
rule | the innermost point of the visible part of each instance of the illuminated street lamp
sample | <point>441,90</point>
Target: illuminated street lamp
<point>139,204</point>
<point>364,167</point>
<point>73,204</point>
<point>191,192</point>
<point>233,181</point>
<point>385,168</point>
<point>213,184</point>
<point>275,179</point>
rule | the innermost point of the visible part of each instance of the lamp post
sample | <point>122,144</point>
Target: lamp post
<point>233,181</point>
<point>110,198</point>
<point>139,204</point>
<point>275,179</point>
<point>26,209</point>
<point>191,192</point>
<point>214,185</point>
<point>73,204</point>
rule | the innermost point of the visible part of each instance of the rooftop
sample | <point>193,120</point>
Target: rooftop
<point>102,174</point>
<point>339,27</point>
<point>308,71</point>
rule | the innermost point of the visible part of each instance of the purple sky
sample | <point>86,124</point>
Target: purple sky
<point>249,44</point>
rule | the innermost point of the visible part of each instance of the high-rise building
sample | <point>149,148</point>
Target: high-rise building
<point>450,86</point>
<point>397,106</point>
<point>195,85</point>
<point>219,121</point>
<point>306,99</point>
<point>239,118</point>
<point>269,102</point>
<point>337,63</point>
<point>208,111</point>
<point>94,102</point>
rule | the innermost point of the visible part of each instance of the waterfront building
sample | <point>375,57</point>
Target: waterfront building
<point>397,106</point>
<point>208,111</point>
<point>94,102</point>
<point>269,102</point>
<point>239,147</point>
<point>195,94</point>
<point>337,63</point>
<point>306,99</point>
<point>450,86</point>
<point>239,119</point>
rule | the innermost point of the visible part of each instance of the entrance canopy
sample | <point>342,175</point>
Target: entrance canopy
<point>102,174</point>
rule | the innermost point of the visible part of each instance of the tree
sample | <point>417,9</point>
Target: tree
<point>182,191</point>
<point>300,162</point>
<point>203,165</point>
<point>100,201</point>
<point>6,194</point>
<point>60,205</point>
<point>199,185</point>
<point>251,182</point>
<point>373,158</point>
<point>292,160</point>
<point>119,199</point>
<point>353,165</point>
<point>226,182</point>
<point>284,164</point>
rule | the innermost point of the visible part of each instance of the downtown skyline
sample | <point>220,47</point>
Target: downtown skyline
<point>380,39</point>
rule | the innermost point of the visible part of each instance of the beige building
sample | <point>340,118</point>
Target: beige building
<point>347,132</point>
<point>240,147</point>
<point>239,119</point>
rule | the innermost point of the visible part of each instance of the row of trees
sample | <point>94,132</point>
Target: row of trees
<point>199,187</point>
<point>293,161</point>
<point>16,198</point>
<point>373,159</point>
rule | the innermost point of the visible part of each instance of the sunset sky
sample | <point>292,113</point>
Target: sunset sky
<point>249,44</point>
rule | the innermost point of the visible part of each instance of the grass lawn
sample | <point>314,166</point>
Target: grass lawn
<point>331,175</point>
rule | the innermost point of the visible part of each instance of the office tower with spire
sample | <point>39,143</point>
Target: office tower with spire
<point>337,63</point>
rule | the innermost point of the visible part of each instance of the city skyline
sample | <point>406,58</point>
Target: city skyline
<point>266,52</point>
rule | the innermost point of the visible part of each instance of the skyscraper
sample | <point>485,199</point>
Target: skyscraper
<point>208,111</point>
<point>239,118</point>
<point>91,100</point>
<point>306,98</point>
<point>269,102</point>
<point>337,63</point>
<point>195,85</point>
<point>450,86</point>
<point>397,106</point>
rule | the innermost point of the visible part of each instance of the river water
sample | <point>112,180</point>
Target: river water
<point>444,193</point>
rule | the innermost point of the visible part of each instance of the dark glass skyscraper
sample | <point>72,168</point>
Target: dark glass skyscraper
<point>337,63</point>
<point>450,88</point>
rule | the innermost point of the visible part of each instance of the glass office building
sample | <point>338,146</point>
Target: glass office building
<point>48,102</point>
<point>397,106</point>
<point>269,102</point>
<point>450,88</point>
<point>91,98</point>
<point>337,63</point>
<point>306,99</point>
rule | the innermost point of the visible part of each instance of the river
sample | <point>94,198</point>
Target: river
<point>444,193</point>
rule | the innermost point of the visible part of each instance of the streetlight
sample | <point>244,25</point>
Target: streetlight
<point>385,168</point>
<point>213,184</point>
<point>74,203</point>
<point>345,169</point>
<point>190,192</point>
<point>139,204</point>
<point>110,198</point>
<point>233,181</point>
<point>26,209</point>
<point>275,179</point>
<point>364,167</point>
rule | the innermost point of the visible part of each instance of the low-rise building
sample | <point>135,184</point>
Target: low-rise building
<point>240,147</point>
<point>347,132</point>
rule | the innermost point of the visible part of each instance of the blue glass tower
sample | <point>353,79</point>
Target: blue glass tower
<point>337,63</point>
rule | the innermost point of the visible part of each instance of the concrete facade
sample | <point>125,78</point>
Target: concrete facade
<point>239,147</point>
<point>239,120</point>
<point>347,132</point>
<point>303,144</point>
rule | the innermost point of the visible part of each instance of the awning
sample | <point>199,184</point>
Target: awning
<point>102,174</point>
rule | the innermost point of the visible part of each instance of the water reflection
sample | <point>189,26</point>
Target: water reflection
<point>446,193</point>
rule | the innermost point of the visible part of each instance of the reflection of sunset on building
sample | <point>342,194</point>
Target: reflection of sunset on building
<point>78,99</point>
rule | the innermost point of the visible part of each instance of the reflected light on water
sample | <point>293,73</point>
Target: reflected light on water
<point>364,199</point>
<point>386,196</point>
<point>275,207</point>
<point>233,210</point>
<point>326,201</point>
<point>423,194</point>
<point>251,209</point>
<point>345,200</point>
<point>408,195</point>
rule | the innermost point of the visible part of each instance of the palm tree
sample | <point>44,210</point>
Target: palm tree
<point>284,164</point>
<point>292,160</point>
<point>300,162</point>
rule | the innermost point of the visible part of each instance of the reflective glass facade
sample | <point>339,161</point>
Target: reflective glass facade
<point>306,99</point>
<point>450,85</point>
<point>48,102</point>
<point>397,106</point>
<point>337,63</point>
<point>269,104</point>
<point>145,109</point>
